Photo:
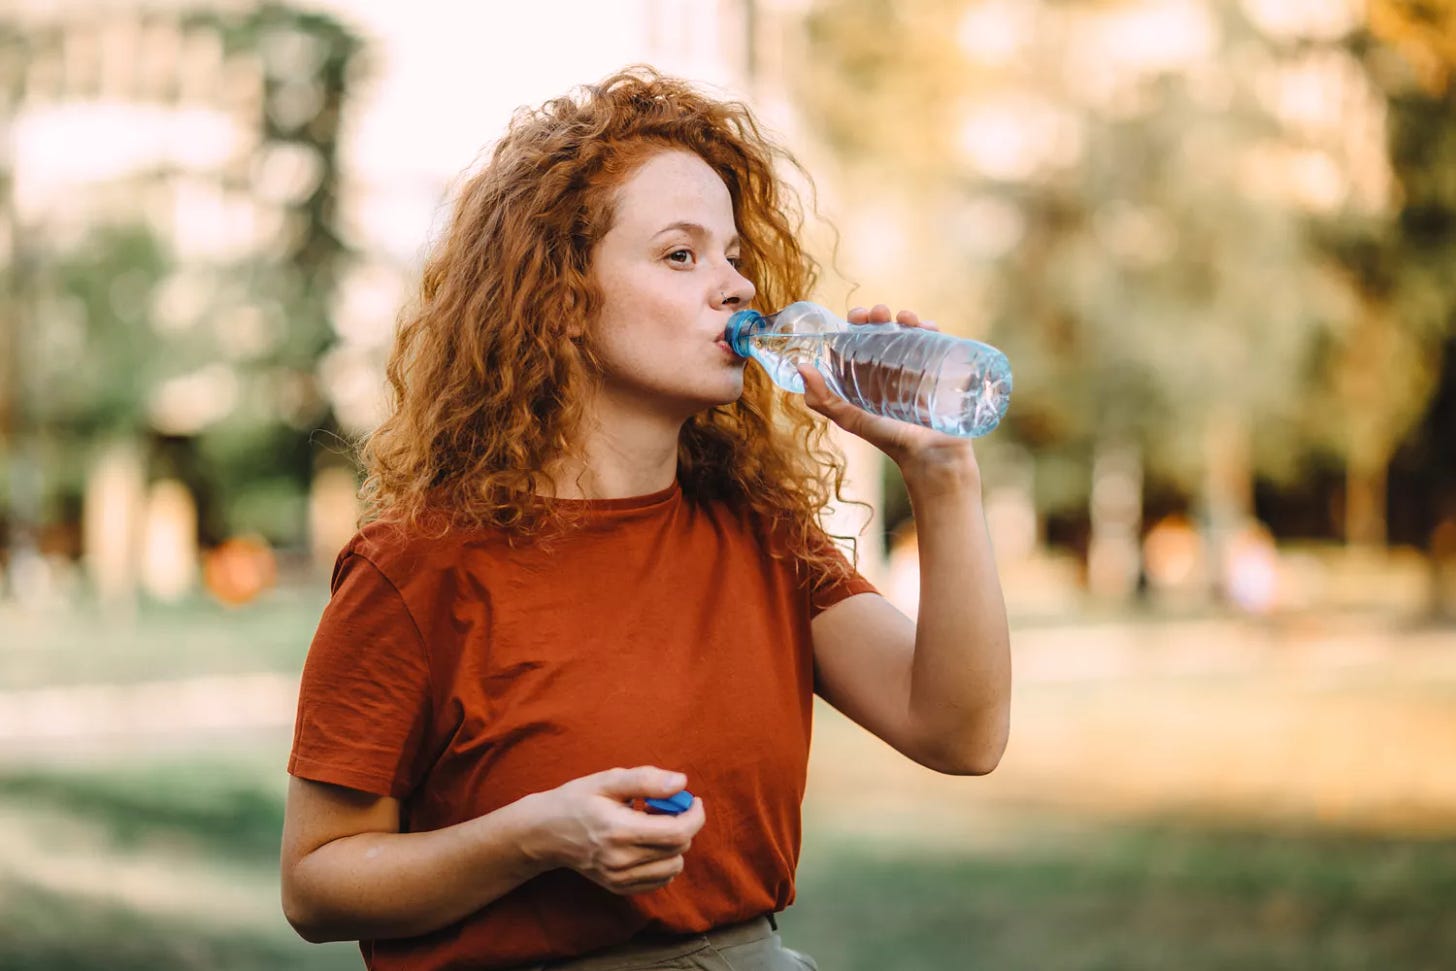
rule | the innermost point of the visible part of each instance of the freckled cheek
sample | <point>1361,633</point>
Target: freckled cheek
<point>665,318</point>
<point>645,307</point>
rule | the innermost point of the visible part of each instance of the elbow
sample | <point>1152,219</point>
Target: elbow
<point>311,930</point>
<point>309,934</point>
<point>976,764</point>
<point>306,922</point>
<point>302,923</point>
<point>979,753</point>
<point>964,762</point>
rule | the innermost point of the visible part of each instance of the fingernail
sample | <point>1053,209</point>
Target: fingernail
<point>857,310</point>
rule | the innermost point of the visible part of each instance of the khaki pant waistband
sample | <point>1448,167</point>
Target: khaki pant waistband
<point>646,950</point>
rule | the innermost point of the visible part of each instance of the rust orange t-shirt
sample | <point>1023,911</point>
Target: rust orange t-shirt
<point>460,674</point>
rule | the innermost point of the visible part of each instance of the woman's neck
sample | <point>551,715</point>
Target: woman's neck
<point>621,456</point>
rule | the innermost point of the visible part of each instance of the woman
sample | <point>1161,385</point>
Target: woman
<point>593,575</point>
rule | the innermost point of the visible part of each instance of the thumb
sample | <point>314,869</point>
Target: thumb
<point>816,390</point>
<point>645,781</point>
<point>820,398</point>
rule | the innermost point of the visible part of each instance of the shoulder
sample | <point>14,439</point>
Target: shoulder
<point>392,546</point>
<point>419,573</point>
<point>417,560</point>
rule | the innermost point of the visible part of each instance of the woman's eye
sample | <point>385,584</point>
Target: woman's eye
<point>736,262</point>
<point>683,257</point>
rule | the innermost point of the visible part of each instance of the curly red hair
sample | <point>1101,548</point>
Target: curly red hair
<point>487,387</point>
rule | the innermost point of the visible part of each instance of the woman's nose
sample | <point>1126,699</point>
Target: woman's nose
<point>736,290</point>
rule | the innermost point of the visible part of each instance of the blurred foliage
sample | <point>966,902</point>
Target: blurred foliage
<point>124,317</point>
<point>97,357</point>
<point>1141,280</point>
<point>309,62</point>
<point>1147,284</point>
<point>876,83</point>
<point>1395,362</point>
<point>1424,33</point>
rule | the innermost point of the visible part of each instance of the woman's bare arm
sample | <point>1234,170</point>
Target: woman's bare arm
<point>349,874</point>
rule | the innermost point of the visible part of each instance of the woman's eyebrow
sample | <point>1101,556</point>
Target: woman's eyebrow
<point>697,230</point>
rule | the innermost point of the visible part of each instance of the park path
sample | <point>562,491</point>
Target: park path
<point>1300,655</point>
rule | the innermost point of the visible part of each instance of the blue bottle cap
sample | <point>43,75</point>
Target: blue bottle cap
<point>673,805</point>
<point>740,327</point>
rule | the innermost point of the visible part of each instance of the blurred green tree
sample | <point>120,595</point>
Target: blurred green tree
<point>1407,276</point>
<point>213,355</point>
<point>1125,227</point>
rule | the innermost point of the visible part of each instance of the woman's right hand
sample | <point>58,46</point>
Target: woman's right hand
<point>589,826</point>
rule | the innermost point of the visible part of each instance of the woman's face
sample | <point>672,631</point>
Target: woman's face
<point>667,269</point>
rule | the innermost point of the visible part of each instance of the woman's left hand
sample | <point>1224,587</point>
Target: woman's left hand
<point>907,444</point>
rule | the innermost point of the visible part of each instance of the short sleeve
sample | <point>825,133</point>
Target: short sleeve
<point>822,597</point>
<point>364,698</point>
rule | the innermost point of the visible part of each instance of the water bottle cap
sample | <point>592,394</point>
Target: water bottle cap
<point>741,326</point>
<point>672,805</point>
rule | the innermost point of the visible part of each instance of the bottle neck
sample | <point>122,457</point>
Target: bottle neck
<point>801,317</point>
<point>742,326</point>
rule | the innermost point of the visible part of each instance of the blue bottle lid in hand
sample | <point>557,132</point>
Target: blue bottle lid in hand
<point>673,805</point>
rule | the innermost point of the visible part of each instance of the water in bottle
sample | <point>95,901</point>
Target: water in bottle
<point>954,385</point>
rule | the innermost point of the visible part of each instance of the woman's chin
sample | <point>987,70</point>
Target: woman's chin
<point>725,395</point>
<point>733,389</point>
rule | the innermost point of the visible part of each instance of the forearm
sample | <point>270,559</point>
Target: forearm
<point>961,675</point>
<point>384,885</point>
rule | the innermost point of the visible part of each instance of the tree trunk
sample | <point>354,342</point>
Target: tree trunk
<point>1228,490</point>
<point>1114,555</point>
<point>1365,519</point>
<point>112,523</point>
<point>1442,563</point>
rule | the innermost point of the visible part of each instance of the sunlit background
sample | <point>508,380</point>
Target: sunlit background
<point>1216,238</point>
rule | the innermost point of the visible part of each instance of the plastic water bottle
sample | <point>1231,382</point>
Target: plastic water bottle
<point>954,385</point>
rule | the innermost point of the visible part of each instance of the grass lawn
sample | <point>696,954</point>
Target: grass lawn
<point>196,638</point>
<point>1174,798</point>
<point>1135,898</point>
<point>171,863</point>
